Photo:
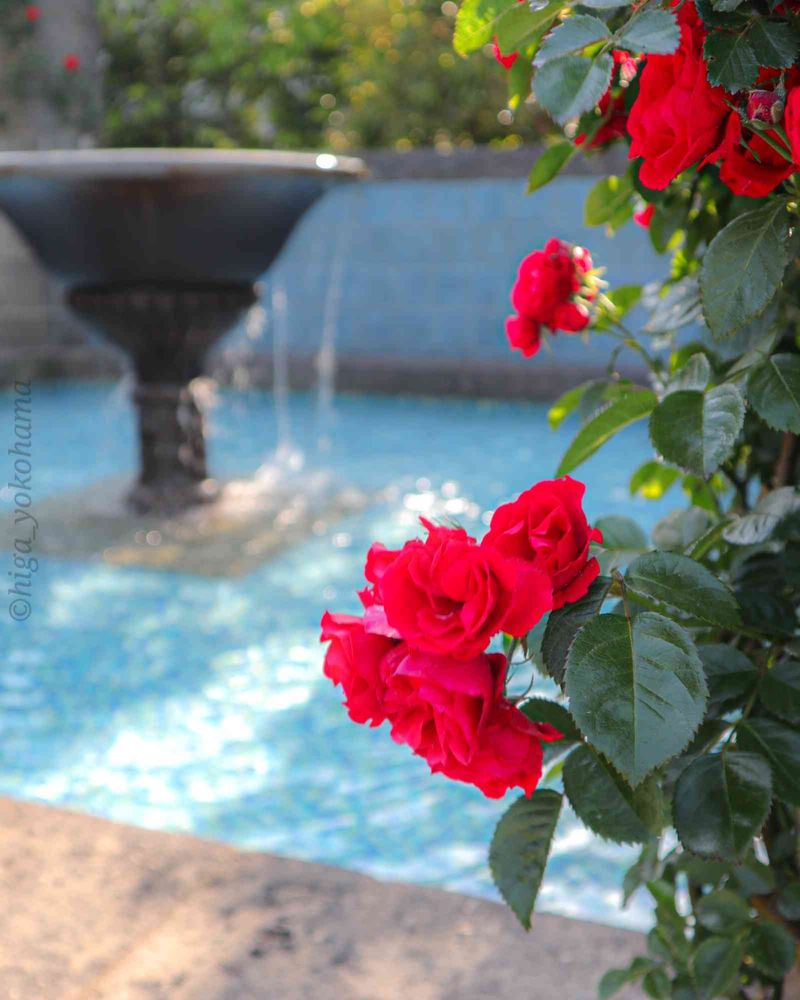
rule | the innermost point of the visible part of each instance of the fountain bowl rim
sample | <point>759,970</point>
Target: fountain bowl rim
<point>139,164</point>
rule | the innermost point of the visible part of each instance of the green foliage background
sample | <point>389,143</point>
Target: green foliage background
<point>340,74</point>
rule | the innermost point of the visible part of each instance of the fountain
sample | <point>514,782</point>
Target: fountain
<point>160,251</point>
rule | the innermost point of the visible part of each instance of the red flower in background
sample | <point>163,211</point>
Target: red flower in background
<point>678,118</point>
<point>612,105</point>
<point>644,217</point>
<point>450,596</point>
<point>546,292</point>
<point>505,61</point>
<point>33,13</point>
<point>547,527</point>
<point>72,62</point>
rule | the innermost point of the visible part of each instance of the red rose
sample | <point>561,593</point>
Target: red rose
<point>791,122</point>
<point>678,117</point>
<point>354,661</point>
<point>33,13</point>
<point>546,293</point>
<point>644,217</point>
<point>547,527</point>
<point>764,106</point>
<point>449,595</point>
<point>509,754</point>
<point>438,706</point>
<point>740,170</point>
<point>611,107</point>
<point>72,62</point>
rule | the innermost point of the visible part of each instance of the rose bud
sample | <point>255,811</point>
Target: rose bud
<point>765,106</point>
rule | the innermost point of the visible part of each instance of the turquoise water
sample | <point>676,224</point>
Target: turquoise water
<point>183,703</point>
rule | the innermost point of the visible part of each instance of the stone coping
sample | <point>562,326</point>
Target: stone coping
<point>123,164</point>
<point>99,911</point>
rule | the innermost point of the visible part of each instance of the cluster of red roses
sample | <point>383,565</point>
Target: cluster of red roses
<point>554,288</point>
<point>417,656</point>
<point>679,120</point>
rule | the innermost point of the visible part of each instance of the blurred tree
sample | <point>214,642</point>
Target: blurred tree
<point>344,74</point>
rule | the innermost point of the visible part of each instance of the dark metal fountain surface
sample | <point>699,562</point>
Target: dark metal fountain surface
<point>160,251</point>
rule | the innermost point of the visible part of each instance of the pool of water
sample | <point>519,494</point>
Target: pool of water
<point>184,703</point>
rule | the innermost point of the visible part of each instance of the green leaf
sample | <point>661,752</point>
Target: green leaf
<point>721,803</point>
<point>519,850</point>
<point>606,198</point>
<point>722,912</point>
<point>544,710</point>
<point>549,164</point>
<point>774,43</point>
<point>716,966</point>
<point>571,85</point>
<point>780,691</point>
<point>680,529</point>
<point>477,22</point>
<point>652,480</point>
<point>697,430</point>
<point>636,690</point>
<point>680,586</point>
<point>615,305</point>
<point>759,525</point>
<point>789,901</point>
<point>730,675</point>
<point>695,374</point>
<point>731,61</point>
<point>567,404</point>
<point>680,306</point>
<point>614,980</point>
<point>653,31</point>
<point>774,392</point>
<point>621,533</point>
<point>744,267</point>
<point>781,746</point>
<point>571,35</point>
<point>607,804</point>
<point>771,948</point>
<point>656,984</point>
<point>620,413</point>
<point>521,24</point>
<point>563,625</point>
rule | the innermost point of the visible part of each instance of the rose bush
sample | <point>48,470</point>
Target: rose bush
<point>676,659</point>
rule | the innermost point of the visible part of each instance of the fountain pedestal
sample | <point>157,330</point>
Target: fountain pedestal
<point>167,331</point>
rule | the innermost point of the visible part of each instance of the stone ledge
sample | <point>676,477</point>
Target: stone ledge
<point>108,912</point>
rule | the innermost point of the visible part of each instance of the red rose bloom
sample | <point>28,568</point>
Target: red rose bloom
<point>740,170</point>
<point>509,754</point>
<point>611,106</point>
<point>448,595</point>
<point>545,292</point>
<point>33,13</point>
<point>72,62</point>
<point>547,527</point>
<point>678,117</point>
<point>354,661</point>
<point>438,706</point>
<point>791,122</point>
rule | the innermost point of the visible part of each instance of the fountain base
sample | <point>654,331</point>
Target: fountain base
<point>248,524</point>
<point>167,331</point>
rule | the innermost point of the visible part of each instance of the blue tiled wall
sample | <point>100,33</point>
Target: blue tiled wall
<point>426,266</point>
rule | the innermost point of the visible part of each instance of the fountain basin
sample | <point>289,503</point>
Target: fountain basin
<point>160,252</point>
